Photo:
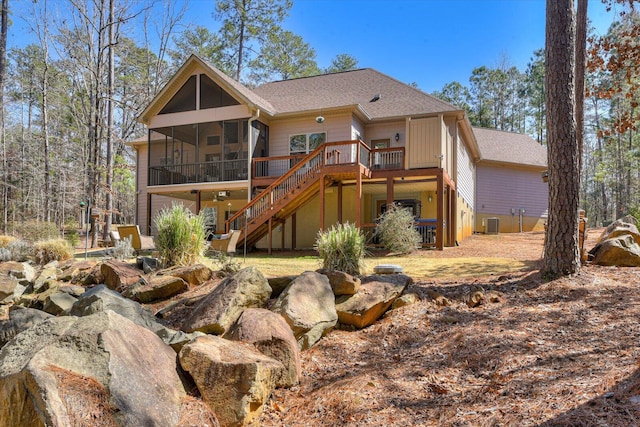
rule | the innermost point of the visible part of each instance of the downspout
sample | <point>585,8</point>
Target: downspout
<point>250,151</point>
<point>249,173</point>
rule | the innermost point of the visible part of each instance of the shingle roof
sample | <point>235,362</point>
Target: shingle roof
<point>510,147</point>
<point>350,88</point>
<point>248,94</point>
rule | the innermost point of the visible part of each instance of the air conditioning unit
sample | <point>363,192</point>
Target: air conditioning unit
<point>493,225</point>
<point>223,194</point>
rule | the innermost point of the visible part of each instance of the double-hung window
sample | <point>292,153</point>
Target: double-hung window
<point>305,143</point>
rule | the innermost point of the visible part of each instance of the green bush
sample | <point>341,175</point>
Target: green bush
<point>73,237</point>
<point>181,236</point>
<point>396,230</point>
<point>342,248</point>
<point>227,264</point>
<point>46,251</point>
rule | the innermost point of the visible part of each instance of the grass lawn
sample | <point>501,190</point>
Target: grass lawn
<point>416,266</point>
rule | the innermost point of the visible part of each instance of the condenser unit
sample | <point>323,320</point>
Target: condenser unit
<point>493,225</point>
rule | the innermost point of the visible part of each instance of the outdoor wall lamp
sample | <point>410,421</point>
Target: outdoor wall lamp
<point>397,137</point>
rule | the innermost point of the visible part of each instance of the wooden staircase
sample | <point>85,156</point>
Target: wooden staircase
<point>295,188</point>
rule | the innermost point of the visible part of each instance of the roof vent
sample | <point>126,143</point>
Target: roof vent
<point>376,97</point>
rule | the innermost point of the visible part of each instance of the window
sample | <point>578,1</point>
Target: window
<point>306,143</point>
<point>213,140</point>
<point>212,95</point>
<point>184,99</point>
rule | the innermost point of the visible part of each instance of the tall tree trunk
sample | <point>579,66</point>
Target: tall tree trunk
<point>561,244</point>
<point>3,73</point>
<point>581,57</point>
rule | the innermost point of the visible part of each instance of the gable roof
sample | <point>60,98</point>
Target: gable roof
<point>498,146</point>
<point>350,88</point>
<point>235,89</point>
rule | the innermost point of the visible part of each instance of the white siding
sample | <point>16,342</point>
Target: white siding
<point>464,180</point>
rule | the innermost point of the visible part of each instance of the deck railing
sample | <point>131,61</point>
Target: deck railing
<point>387,158</point>
<point>221,170</point>
<point>333,153</point>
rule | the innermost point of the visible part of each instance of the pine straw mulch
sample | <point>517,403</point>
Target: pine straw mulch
<point>558,353</point>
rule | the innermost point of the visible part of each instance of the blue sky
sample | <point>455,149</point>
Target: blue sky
<point>430,42</point>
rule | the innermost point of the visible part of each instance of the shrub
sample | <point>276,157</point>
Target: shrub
<point>46,251</point>
<point>5,255</point>
<point>20,250</point>
<point>396,230</point>
<point>122,249</point>
<point>33,231</point>
<point>73,237</point>
<point>228,265</point>
<point>341,247</point>
<point>6,240</point>
<point>181,236</point>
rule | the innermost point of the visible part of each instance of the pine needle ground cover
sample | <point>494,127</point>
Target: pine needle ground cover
<point>560,353</point>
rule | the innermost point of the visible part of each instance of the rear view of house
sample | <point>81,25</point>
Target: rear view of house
<point>292,157</point>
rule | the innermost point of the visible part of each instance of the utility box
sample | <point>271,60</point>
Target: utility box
<point>493,225</point>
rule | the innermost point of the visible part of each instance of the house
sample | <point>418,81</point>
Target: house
<point>511,195</point>
<point>289,158</point>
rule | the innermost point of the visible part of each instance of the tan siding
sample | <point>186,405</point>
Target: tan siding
<point>386,131</point>
<point>425,139</point>
<point>338,128</point>
<point>200,116</point>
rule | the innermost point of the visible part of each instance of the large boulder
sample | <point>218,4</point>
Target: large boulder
<point>308,306</point>
<point>622,251</point>
<point>620,227</point>
<point>72,269</point>
<point>103,367</point>
<point>233,378</point>
<point>120,275</point>
<point>20,319</point>
<point>100,298</point>
<point>270,334</point>
<point>194,275</point>
<point>19,270</point>
<point>8,286</point>
<point>342,283</point>
<point>46,278</point>
<point>156,288</point>
<point>375,296</point>
<point>216,312</point>
<point>279,284</point>
<point>58,303</point>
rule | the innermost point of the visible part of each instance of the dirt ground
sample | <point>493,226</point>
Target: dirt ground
<point>545,354</point>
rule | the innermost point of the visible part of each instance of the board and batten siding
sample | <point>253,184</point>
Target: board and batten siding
<point>466,171</point>
<point>142,171</point>
<point>500,188</point>
<point>425,141</point>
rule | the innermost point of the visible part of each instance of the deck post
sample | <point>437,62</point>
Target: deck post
<point>439,213</point>
<point>148,214</point>
<point>269,236</point>
<point>321,198</point>
<point>390,195</point>
<point>339,202</point>
<point>358,198</point>
<point>293,231</point>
